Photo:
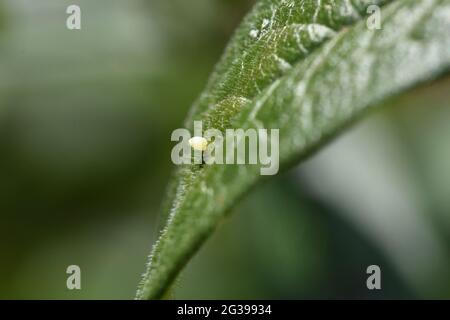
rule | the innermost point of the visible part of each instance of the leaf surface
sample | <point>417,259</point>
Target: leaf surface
<point>307,68</point>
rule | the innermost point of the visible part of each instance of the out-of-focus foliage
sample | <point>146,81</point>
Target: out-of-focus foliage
<point>82,117</point>
<point>85,122</point>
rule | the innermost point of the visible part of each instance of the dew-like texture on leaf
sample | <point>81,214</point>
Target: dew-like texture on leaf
<point>308,68</point>
<point>275,35</point>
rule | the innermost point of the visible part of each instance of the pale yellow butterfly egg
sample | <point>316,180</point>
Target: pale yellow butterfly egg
<point>198,143</point>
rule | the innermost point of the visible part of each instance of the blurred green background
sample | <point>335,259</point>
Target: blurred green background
<point>85,123</point>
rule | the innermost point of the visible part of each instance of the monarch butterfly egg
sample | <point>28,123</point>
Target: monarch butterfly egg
<point>198,143</point>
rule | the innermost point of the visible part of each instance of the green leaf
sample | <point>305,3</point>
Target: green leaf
<point>308,68</point>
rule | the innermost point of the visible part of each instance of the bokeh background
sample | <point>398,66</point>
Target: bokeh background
<point>85,123</point>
